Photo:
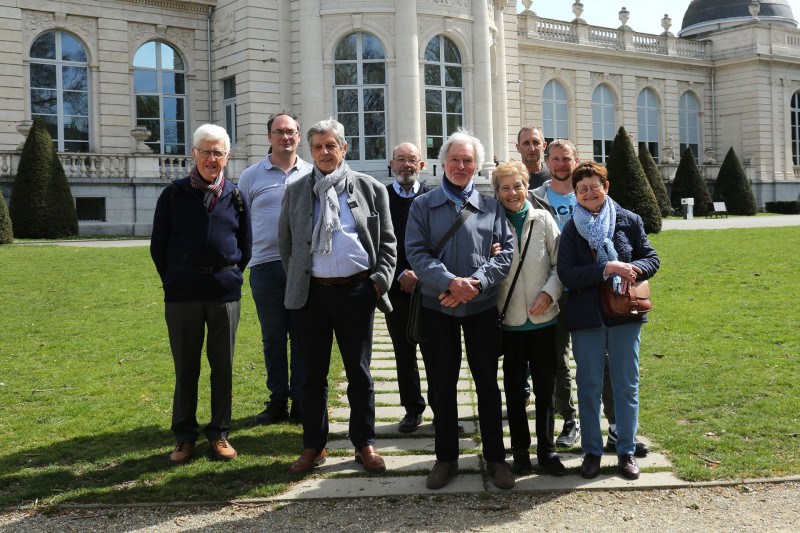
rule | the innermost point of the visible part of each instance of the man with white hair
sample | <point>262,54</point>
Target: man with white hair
<point>338,250</point>
<point>449,241</point>
<point>201,244</point>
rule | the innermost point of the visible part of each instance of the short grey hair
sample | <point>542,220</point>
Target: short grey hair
<point>394,150</point>
<point>327,126</point>
<point>212,132</point>
<point>462,136</point>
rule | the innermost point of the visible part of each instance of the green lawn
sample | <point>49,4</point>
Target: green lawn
<point>86,376</point>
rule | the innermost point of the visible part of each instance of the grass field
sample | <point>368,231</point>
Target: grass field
<point>86,376</point>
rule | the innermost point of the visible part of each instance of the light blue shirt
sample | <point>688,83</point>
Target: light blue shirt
<point>563,205</point>
<point>402,192</point>
<point>349,256</point>
<point>263,185</point>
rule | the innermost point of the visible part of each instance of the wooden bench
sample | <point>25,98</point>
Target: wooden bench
<point>718,210</point>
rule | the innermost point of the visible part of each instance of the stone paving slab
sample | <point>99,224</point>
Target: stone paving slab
<point>380,386</point>
<point>390,428</point>
<point>463,398</point>
<point>394,463</point>
<point>343,413</point>
<point>403,444</point>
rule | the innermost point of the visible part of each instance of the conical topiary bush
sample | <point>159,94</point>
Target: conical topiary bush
<point>628,184</point>
<point>41,204</point>
<point>689,183</point>
<point>653,174</point>
<point>733,187</point>
<point>6,234</point>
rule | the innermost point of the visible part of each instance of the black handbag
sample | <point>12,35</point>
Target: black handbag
<point>416,331</point>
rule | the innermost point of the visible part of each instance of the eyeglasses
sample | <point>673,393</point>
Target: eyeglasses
<point>593,187</point>
<point>208,153</point>
<point>281,133</point>
<point>403,161</point>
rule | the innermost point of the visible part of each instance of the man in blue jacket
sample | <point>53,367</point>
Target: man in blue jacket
<point>200,245</point>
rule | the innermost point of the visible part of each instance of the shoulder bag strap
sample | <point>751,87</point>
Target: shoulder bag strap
<point>516,274</point>
<point>463,215</point>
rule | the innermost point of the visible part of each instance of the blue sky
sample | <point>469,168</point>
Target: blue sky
<point>646,15</point>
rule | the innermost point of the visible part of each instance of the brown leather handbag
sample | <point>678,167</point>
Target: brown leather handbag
<point>631,305</point>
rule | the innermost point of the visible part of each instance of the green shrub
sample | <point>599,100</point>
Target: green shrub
<point>41,202</point>
<point>629,185</point>
<point>688,183</point>
<point>733,187</point>
<point>6,234</point>
<point>653,174</point>
<point>785,208</point>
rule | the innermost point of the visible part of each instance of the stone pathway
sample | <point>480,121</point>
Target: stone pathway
<point>409,456</point>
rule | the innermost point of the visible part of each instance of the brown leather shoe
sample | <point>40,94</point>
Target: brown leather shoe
<point>628,467</point>
<point>309,459</point>
<point>368,457</point>
<point>222,450</point>
<point>501,475</point>
<point>181,454</point>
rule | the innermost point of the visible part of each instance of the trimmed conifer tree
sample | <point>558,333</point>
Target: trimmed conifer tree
<point>688,183</point>
<point>733,187</point>
<point>629,185</point>
<point>41,204</point>
<point>6,234</point>
<point>653,174</point>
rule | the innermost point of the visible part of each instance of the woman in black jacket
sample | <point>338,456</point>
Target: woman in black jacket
<point>602,241</point>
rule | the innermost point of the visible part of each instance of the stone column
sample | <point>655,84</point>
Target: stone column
<point>500,93</point>
<point>312,90</point>
<point>408,121</point>
<point>482,80</point>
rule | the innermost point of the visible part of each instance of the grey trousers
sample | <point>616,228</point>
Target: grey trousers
<point>187,323</point>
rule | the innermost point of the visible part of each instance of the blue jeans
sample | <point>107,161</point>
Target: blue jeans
<point>268,285</point>
<point>589,349</point>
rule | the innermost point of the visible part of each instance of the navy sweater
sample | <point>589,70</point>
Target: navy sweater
<point>192,239</point>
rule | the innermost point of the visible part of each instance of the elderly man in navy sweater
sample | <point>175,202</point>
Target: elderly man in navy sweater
<point>200,245</point>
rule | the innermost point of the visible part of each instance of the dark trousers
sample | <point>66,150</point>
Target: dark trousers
<point>346,310</point>
<point>187,323</point>
<point>537,348</point>
<point>268,285</point>
<point>443,359</point>
<point>405,352</point>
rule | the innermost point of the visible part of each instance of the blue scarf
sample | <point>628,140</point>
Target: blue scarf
<point>599,230</point>
<point>456,194</point>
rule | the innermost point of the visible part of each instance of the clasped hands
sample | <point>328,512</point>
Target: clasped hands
<point>626,271</point>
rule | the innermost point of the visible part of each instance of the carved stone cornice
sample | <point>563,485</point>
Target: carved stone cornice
<point>36,22</point>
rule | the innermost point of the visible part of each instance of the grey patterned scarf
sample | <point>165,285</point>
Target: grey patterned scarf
<point>327,188</point>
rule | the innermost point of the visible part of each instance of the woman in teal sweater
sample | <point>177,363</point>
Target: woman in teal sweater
<point>530,318</point>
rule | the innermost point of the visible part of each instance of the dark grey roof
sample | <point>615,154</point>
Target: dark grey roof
<point>703,11</point>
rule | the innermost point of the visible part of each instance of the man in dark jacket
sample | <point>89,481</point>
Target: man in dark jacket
<point>200,245</point>
<point>406,165</point>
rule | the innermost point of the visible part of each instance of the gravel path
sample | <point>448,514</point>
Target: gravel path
<point>753,507</point>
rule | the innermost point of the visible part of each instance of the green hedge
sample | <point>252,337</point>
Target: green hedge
<point>791,207</point>
<point>688,183</point>
<point>733,187</point>
<point>6,233</point>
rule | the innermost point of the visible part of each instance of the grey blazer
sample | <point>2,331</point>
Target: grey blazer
<point>369,203</point>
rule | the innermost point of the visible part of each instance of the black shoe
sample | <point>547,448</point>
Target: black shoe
<point>276,411</point>
<point>628,467</point>
<point>409,423</point>
<point>553,466</point>
<point>590,468</point>
<point>296,413</point>
<point>522,462</point>
<point>569,434</point>
<point>642,449</point>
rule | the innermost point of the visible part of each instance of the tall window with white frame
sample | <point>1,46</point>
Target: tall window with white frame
<point>229,105</point>
<point>159,86</point>
<point>795,118</point>
<point>647,107</point>
<point>555,111</point>
<point>604,122</point>
<point>689,125</point>
<point>444,93</point>
<point>59,81</point>
<point>359,66</point>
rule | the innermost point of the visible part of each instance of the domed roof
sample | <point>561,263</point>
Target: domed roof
<point>702,13</point>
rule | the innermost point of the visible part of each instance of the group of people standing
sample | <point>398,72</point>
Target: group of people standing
<point>327,245</point>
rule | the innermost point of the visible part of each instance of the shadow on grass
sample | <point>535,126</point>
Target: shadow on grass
<point>131,466</point>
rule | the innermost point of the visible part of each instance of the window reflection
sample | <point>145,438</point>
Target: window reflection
<point>443,92</point>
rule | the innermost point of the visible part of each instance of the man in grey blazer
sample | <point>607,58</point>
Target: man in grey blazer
<point>339,251</point>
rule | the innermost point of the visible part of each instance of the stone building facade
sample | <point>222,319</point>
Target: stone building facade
<point>405,70</point>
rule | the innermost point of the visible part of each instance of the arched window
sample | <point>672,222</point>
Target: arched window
<point>555,111</point>
<point>444,93</point>
<point>359,70</point>
<point>689,125</point>
<point>59,71</point>
<point>159,85</point>
<point>795,113</point>
<point>648,121</point>
<point>604,122</point>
